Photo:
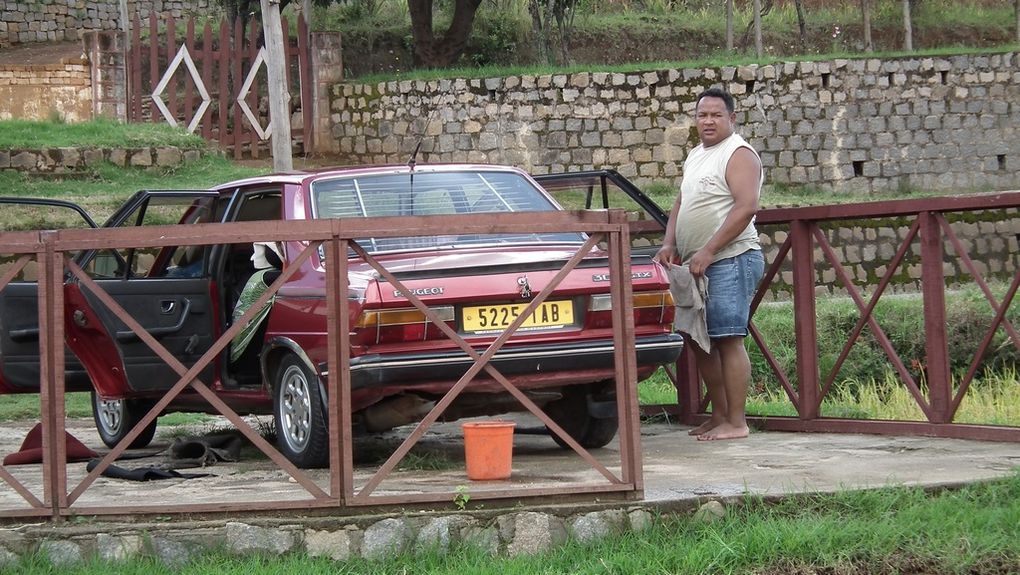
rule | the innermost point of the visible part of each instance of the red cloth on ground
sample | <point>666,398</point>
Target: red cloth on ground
<point>31,449</point>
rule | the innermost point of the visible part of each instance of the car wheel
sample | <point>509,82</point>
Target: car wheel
<point>573,412</point>
<point>116,418</point>
<point>301,432</point>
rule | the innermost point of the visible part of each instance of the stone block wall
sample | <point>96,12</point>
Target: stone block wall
<point>23,21</point>
<point>70,160</point>
<point>848,125</point>
<point>865,249</point>
<point>46,92</point>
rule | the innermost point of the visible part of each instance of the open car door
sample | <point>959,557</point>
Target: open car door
<point>605,189</point>
<point>166,289</point>
<point>19,303</point>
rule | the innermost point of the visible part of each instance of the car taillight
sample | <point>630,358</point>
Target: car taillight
<point>400,325</point>
<point>652,307</point>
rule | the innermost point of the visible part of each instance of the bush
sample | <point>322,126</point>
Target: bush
<point>497,40</point>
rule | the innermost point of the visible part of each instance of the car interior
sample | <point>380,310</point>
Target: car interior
<point>237,269</point>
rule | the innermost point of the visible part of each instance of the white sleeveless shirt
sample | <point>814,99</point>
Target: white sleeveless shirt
<point>705,200</point>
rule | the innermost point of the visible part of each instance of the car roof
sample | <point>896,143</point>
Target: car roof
<point>298,177</point>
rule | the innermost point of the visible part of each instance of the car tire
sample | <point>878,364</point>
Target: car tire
<point>572,413</point>
<point>116,418</point>
<point>301,431</point>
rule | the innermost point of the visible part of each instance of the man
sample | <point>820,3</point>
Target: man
<point>711,230</point>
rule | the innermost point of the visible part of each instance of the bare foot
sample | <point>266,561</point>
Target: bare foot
<point>703,428</point>
<point>725,431</point>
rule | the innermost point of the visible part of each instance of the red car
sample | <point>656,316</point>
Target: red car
<point>400,364</point>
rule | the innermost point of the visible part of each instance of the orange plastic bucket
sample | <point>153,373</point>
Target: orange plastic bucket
<point>488,449</point>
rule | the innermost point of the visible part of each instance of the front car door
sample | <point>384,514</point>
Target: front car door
<point>167,289</point>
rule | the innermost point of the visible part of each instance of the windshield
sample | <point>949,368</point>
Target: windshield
<point>429,194</point>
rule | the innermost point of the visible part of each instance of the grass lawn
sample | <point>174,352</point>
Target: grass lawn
<point>974,531</point>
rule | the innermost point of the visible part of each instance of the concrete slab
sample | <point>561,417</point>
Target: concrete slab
<point>677,467</point>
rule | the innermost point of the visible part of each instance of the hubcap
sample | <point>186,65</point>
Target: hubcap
<point>295,408</point>
<point>111,415</point>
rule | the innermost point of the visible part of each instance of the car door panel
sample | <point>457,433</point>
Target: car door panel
<point>19,343</point>
<point>176,312</point>
<point>19,304</point>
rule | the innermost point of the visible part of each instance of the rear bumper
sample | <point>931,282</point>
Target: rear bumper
<point>387,370</point>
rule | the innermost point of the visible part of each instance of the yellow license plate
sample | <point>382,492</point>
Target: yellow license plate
<point>499,317</point>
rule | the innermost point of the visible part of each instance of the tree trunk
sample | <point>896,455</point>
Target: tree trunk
<point>564,26</point>
<point>547,20</point>
<point>801,26</point>
<point>432,52</point>
<point>729,25</point>
<point>758,50</point>
<point>866,23</point>
<point>908,30</point>
<point>539,32</point>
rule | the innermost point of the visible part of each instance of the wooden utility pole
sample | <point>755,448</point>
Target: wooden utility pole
<point>279,96</point>
<point>306,13</point>
<point>729,25</point>
<point>1016,11</point>
<point>758,49</point>
<point>908,28</point>
<point>866,22</point>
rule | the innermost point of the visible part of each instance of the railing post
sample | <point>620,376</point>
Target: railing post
<point>933,289</point>
<point>689,389</point>
<point>624,355</point>
<point>51,374</point>
<point>804,319</point>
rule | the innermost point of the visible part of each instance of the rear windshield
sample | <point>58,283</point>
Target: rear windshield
<point>429,194</point>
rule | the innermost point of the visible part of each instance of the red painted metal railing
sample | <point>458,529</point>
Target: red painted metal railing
<point>807,247</point>
<point>60,498</point>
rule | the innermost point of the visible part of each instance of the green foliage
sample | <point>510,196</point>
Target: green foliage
<point>968,317</point>
<point>462,498</point>
<point>496,39</point>
<point>362,14</point>
<point>833,30</point>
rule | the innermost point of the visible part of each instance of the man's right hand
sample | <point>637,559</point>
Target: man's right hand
<point>666,255</point>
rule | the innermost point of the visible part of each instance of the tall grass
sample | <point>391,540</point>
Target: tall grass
<point>974,531</point>
<point>866,386</point>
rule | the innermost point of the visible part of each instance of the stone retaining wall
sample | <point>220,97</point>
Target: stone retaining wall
<point>176,544</point>
<point>45,92</point>
<point>22,21</point>
<point>945,123</point>
<point>865,249</point>
<point>66,160</point>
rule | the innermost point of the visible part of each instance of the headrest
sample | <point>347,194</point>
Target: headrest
<point>263,258</point>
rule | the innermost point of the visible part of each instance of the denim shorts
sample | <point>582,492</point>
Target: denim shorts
<point>731,286</point>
